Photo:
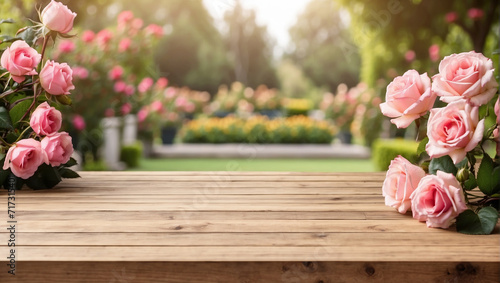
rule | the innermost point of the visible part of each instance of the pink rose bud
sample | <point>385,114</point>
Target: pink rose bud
<point>45,120</point>
<point>454,130</point>
<point>88,36</point>
<point>161,83</point>
<point>475,13</point>
<point>57,17</point>
<point>438,200</point>
<point>126,108</point>
<point>451,17</point>
<point>124,45</point>
<point>66,46</point>
<point>497,110</point>
<point>467,76</point>
<point>400,181</point>
<point>408,97</point>
<point>434,52</point>
<point>145,85</point>
<point>58,147</point>
<point>80,72</point>
<point>115,73</point>
<point>25,157</point>
<point>78,123</point>
<point>57,78</point>
<point>410,55</point>
<point>20,60</point>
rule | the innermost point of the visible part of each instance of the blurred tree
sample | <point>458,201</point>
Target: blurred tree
<point>400,34</point>
<point>323,47</point>
<point>249,48</point>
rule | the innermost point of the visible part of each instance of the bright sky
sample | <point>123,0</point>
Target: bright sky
<point>277,15</point>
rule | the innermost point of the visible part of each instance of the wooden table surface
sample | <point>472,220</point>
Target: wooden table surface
<point>232,227</point>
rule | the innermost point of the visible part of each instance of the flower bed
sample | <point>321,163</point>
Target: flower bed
<point>257,129</point>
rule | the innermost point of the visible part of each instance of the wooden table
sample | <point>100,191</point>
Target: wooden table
<point>232,227</point>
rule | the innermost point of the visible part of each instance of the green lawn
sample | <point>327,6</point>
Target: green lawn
<point>300,165</point>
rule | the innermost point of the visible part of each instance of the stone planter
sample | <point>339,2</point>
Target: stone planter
<point>168,134</point>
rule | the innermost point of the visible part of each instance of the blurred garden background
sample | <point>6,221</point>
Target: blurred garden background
<point>154,76</point>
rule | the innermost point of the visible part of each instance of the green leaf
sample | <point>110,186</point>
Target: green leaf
<point>29,35</point>
<point>482,223</point>
<point>471,183</point>
<point>68,173</point>
<point>45,177</point>
<point>444,164</point>
<point>421,146</point>
<point>488,177</point>
<point>462,164</point>
<point>3,174</point>
<point>71,162</point>
<point>5,122</point>
<point>18,111</point>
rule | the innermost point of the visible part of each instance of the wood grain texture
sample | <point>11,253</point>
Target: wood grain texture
<point>233,227</point>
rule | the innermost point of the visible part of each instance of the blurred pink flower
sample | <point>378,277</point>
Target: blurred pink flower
<point>129,90</point>
<point>434,52</point>
<point>154,30</point>
<point>475,13</point>
<point>66,46</point>
<point>180,102</point>
<point>451,17</point>
<point>120,86</point>
<point>137,24</point>
<point>124,45</point>
<point>78,123</point>
<point>115,73</point>
<point>126,108</point>
<point>157,106</point>
<point>410,55</point>
<point>172,116</point>
<point>103,37</point>
<point>80,72</point>
<point>124,18</point>
<point>88,36</point>
<point>145,84</point>
<point>190,107</point>
<point>170,93</point>
<point>161,83</point>
<point>109,112</point>
<point>142,115</point>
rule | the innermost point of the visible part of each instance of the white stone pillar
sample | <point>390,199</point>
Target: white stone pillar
<point>111,147</point>
<point>129,129</point>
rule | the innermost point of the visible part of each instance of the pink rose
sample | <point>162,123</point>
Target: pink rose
<point>145,84</point>
<point>66,46</point>
<point>45,120</point>
<point>157,106</point>
<point>454,130</point>
<point>475,13</point>
<point>120,86</point>
<point>57,17</point>
<point>468,76</point>
<point>109,112</point>
<point>434,52</point>
<point>80,72</point>
<point>438,200</point>
<point>103,37</point>
<point>126,108</point>
<point>78,123</point>
<point>124,45</point>
<point>161,83</point>
<point>57,78</point>
<point>124,18</point>
<point>129,90</point>
<point>115,73</point>
<point>25,157</point>
<point>451,17</point>
<point>408,97</point>
<point>88,36</point>
<point>58,147</point>
<point>154,30</point>
<point>142,115</point>
<point>400,181</point>
<point>20,60</point>
<point>410,55</point>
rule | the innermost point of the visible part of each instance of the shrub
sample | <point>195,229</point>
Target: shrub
<point>131,155</point>
<point>384,151</point>
<point>257,129</point>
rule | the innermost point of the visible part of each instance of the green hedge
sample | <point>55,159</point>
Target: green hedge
<point>131,155</point>
<point>384,151</point>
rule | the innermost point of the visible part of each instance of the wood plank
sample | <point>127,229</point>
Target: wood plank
<point>227,226</point>
<point>216,272</point>
<point>443,238</point>
<point>268,253</point>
